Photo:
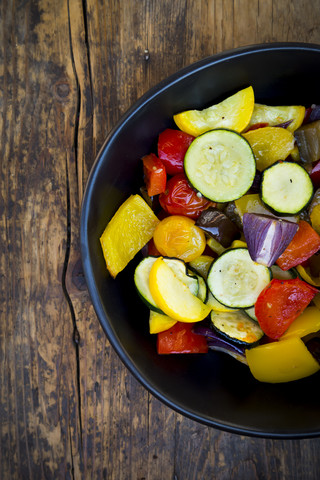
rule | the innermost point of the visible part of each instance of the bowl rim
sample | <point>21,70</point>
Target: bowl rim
<point>153,92</point>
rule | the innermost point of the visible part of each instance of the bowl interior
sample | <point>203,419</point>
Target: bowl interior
<point>213,388</point>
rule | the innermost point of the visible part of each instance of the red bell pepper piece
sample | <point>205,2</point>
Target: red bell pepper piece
<point>172,147</point>
<point>155,175</point>
<point>255,126</point>
<point>304,244</point>
<point>280,303</point>
<point>181,339</point>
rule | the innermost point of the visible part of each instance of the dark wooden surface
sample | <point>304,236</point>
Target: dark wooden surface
<point>68,70</point>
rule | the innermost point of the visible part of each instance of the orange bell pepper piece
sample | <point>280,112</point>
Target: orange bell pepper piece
<point>304,244</point>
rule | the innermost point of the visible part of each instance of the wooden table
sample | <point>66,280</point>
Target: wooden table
<point>68,70</point>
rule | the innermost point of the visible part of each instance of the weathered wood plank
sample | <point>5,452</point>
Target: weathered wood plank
<point>40,435</point>
<point>68,70</point>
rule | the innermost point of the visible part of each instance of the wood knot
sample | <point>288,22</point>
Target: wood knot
<point>77,276</point>
<point>62,91</point>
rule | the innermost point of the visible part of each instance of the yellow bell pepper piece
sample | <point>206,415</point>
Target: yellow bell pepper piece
<point>233,113</point>
<point>159,322</point>
<point>251,203</point>
<point>173,297</point>
<point>283,361</point>
<point>215,246</point>
<point>274,115</point>
<point>201,264</point>
<point>305,274</point>
<point>307,322</point>
<point>270,144</point>
<point>130,228</point>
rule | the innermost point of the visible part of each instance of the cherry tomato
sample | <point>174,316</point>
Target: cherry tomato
<point>178,236</point>
<point>180,198</point>
<point>155,174</point>
<point>172,147</point>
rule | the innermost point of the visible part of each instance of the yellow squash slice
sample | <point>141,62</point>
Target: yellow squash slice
<point>159,322</point>
<point>276,115</point>
<point>173,297</point>
<point>128,231</point>
<point>233,113</point>
<point>270,144</point>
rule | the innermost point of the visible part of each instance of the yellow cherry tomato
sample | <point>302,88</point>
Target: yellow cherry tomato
<point>178,236</point>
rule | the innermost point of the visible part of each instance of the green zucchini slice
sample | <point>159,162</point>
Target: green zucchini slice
<point>141,278</point>
<point>220,164</point>
<point>237,326</point>
<point>251,312</point>
<point>235,280</point>
<point>286,188</point>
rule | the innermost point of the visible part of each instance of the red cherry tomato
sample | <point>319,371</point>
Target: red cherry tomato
<point>172,147</point>
<point>181,199</point>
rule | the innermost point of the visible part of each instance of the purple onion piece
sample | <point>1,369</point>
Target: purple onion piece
<point>284,124</point>
<point>267,237</point>
<point>215,342</point>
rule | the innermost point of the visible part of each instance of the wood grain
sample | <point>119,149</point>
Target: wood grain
<point>68,70</point>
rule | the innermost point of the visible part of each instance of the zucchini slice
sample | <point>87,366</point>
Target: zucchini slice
<point>141,278</point>
<point>286,188</point>
<point>220,164</point>
<point>203,289</point>
<point>235,280</point>
<point>237,326</point>
<point>280,274</point>
<point>251,312</point>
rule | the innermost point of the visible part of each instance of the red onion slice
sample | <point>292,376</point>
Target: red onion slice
<point>267,237</point>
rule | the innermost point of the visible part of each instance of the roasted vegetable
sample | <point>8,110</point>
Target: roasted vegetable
<point>269,145</point>
<point>304,244</point>
<point>220,164</point>
<point>284,361</point>
<point>131,227</point>
<point>267,237</point>
<point>233,113</point>
<point>237,326</point>
<point>286,188</point>
<point>218,226</point>
<point>181,339</point>
<point>293,115</point>
<point>215,342</point>
<point>235,280</point>
<point>280,303</point>
<point>308,140</point>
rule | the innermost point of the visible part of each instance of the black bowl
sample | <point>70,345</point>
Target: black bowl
<point>213,389</point>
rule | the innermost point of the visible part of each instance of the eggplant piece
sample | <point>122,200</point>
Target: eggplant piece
<point>267,237</point>
<point>308,141</point>
<point>216,224</point>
